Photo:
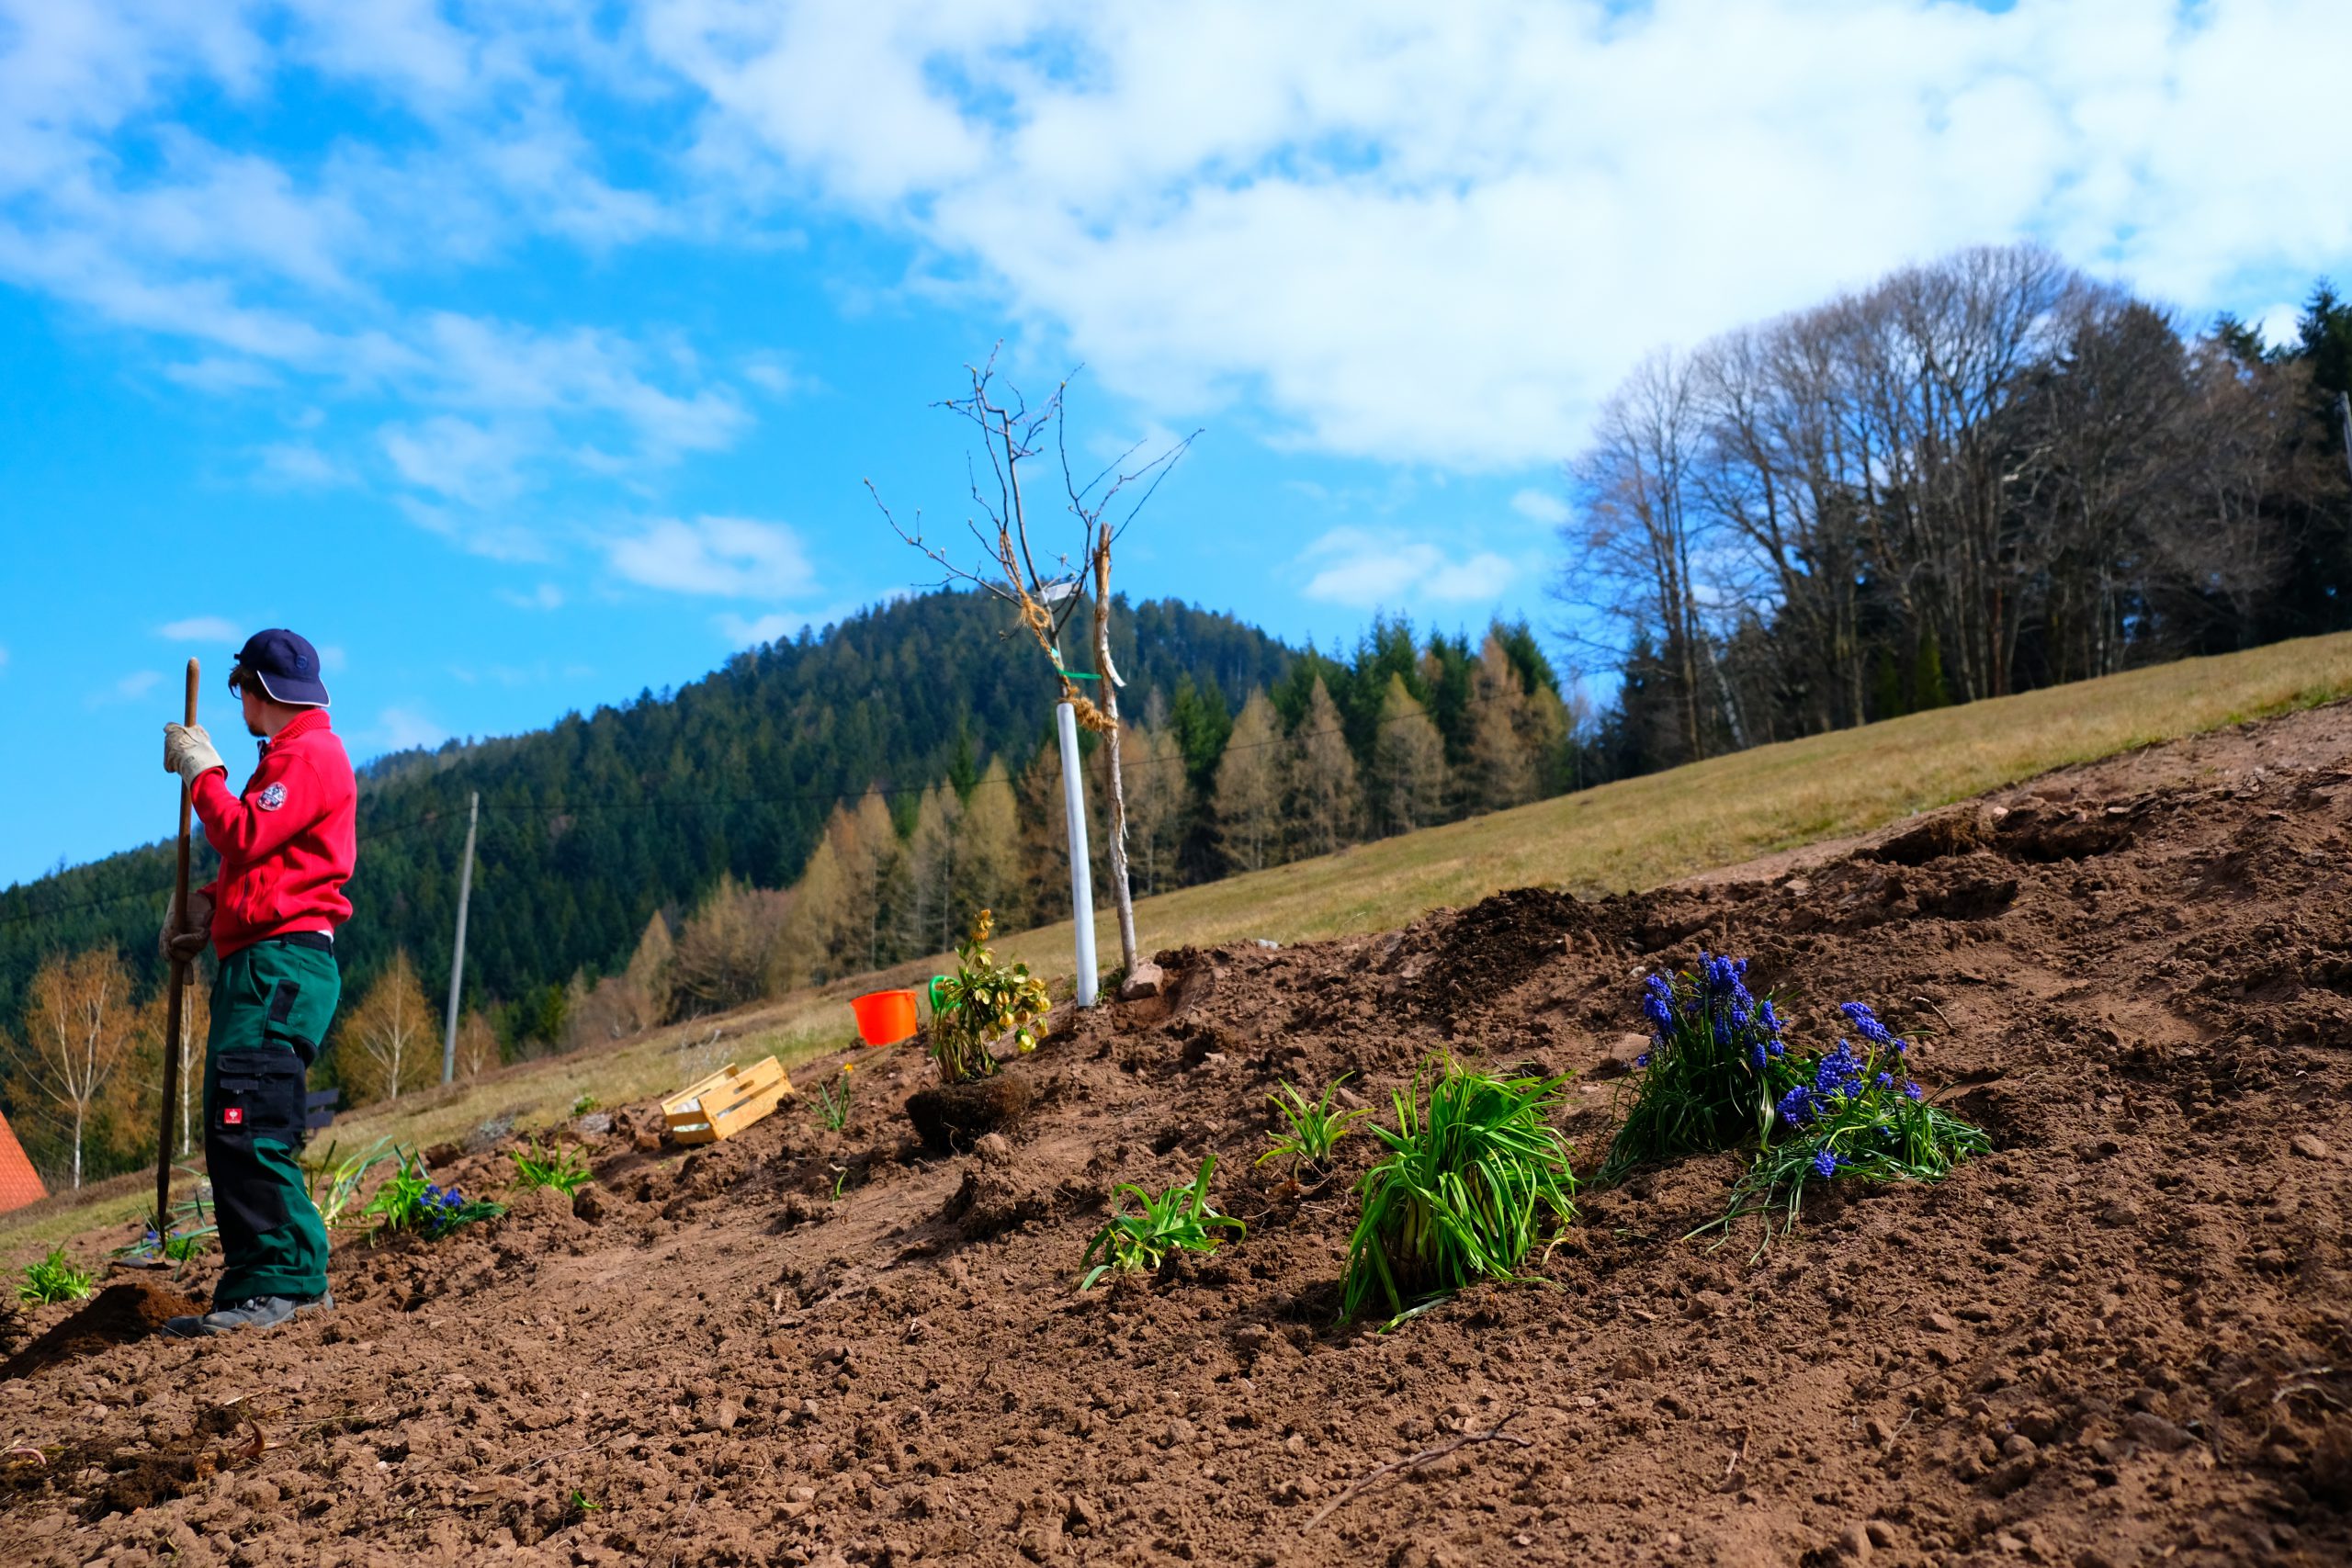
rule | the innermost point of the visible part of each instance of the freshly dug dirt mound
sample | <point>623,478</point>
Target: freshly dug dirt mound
<point>116,1315</point>
<point>951,1117</point>
<point>2123,1337</point>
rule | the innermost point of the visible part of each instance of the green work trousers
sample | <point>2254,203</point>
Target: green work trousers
<point>270,1007</point>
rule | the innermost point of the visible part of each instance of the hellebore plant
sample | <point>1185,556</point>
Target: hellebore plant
<point>983,1001</point>
<point>1179,1220</point>
<point>1474,1172</point>
<point>1714,1066</point>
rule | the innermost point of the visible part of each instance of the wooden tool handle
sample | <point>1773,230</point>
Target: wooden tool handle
<point>174,1012</point>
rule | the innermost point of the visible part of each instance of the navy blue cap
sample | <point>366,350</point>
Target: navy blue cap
<point>286,665</point>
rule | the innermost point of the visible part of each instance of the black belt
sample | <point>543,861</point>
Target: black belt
<point>317,941</point>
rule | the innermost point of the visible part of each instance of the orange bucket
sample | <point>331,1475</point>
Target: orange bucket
<point>885,1018</point>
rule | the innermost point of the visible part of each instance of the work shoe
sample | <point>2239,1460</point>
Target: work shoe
<point>257,1312</point>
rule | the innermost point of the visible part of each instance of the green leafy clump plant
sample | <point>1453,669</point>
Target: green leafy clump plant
<point>1715,1065</point>
<point>1311,1128</point>
<point>54,1279</point>
<point>833,1099</point>
<point>334,1185</point>
<point>1179,1220</point>
<point>583,1105</point>
<point>1474,1174</point>
<point>562,1167</point>
<point>981,1002</point>
<point>410,1200</point>
<point>1851,1115</point>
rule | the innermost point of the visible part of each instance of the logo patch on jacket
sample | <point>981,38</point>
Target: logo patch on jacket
<point>233,1116</point>
<point>271,797</point>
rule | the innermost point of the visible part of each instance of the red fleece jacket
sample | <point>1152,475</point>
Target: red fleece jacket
<point>288,844</point>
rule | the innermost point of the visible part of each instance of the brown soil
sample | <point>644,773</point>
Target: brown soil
<point>2122,1337</point>
<point>116,1315</point>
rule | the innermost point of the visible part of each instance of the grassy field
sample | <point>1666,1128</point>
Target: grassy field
<point>1634,834</point>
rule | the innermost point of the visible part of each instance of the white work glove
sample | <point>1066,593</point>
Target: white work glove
<point>188,752</point>
<point>184,936</point>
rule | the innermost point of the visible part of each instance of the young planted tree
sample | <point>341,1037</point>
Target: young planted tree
<point>388,1042</point>
<point>1046,597</point>
<point>79,1031</point>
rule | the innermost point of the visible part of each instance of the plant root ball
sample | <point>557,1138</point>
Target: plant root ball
<point>952,1117</point>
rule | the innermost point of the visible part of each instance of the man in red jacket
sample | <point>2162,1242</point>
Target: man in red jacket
<point>287,845</point>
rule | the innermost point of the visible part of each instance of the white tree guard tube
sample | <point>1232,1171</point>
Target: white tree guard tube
<point>1081,876</point>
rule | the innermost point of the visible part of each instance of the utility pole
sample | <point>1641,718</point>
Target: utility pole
<point>457,959</point>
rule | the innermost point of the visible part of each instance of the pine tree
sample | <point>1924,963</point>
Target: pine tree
<point>988,852</point>
<point>929,908</point>
<point>883,882</point>
<point>1157,798</point>
<point>1409,778</point>
<point>810,951</point>
<point>1323,801</point>
<point>1044,841</point>
<point>1248,789</point>
<point>1500,770</point>
<point>651,976</point>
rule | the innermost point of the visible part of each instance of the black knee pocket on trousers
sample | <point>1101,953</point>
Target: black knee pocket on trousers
<point>260,1096</point>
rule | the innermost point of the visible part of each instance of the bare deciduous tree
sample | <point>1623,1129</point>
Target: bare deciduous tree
<point>1045,598</point>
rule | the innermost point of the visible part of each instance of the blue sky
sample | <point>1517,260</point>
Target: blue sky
<point>525,356</point>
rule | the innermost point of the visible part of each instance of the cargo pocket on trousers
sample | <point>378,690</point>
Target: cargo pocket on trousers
<point>260,1096</point>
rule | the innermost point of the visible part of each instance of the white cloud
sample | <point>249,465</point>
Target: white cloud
<point>750,632</point>
<point>201,628</point>
<point>1542,506</point>
<point>1441,233</point>
<point>4,660</point>
<point>546,596</point>
<point>294,465</point>
<point>129,689</point>
<point>1378,569</point>
<point>402,728</point>
<point>730,557</point>
<point>2280,324</point>
<point>332,658</point>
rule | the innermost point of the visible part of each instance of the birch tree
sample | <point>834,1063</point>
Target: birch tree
<point>79,1031</point>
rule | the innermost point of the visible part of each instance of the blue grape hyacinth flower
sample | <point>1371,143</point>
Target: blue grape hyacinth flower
<point>1795,1107</point>
<point>1825,1164</point>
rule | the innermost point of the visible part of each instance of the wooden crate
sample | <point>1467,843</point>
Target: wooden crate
<point>726,1103</point>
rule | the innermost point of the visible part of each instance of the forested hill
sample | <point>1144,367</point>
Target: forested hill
<point>589,826</point>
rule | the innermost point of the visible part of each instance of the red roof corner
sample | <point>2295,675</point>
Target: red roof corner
<point>19,1183</point>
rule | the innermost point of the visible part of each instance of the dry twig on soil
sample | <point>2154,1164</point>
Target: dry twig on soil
<point>1494,1434</point>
